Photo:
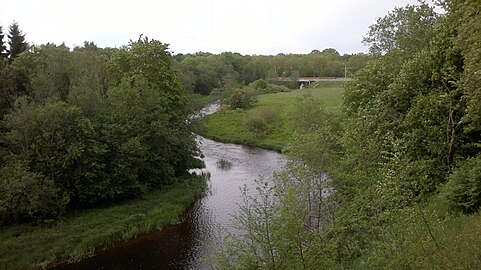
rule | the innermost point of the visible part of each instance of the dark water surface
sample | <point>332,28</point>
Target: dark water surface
<point>186,245</point>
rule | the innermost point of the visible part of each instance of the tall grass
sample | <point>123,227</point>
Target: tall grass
<point>258,119</point>
<point>76,236</point>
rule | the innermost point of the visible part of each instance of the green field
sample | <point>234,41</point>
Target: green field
<point>231,127</point>
<point>77,235</point>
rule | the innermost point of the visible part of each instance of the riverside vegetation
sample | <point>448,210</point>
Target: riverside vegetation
<point>392,181</point>
<point>93,134</point>
<point>95,148</point>
<point>76,235</point>
<point>265,120</point>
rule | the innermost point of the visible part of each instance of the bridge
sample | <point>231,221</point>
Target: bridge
<point>311,79</point>
<point>308,80</point>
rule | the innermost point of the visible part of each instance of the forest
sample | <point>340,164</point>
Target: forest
<point>203,73</point>
<point>89,126</point>
<point>394,180</point>
<point>391,181</point>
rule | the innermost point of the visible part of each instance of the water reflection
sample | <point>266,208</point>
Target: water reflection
<point>223,165</point>
<point>231,167</point>
<point>188,244</point>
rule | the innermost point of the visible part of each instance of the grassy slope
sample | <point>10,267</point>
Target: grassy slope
<point>77,235</point>
<point>449,242</point>
<point>231,127</point>
<point>459,243</point>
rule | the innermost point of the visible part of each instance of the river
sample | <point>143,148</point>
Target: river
<point>188,245</point>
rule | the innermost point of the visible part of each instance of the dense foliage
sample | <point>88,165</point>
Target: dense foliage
<point>89,126</point>
<point>203,72</point>
<point>402,189</point>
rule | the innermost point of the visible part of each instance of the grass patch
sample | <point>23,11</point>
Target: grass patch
<point>76,236</point>
<point>230,126</point>
<point>452,242</point>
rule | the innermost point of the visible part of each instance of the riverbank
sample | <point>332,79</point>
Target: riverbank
<point>77,235</point>
<point>230,126</point>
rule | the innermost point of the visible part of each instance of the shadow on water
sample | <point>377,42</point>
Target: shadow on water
<point>165,249</point>
<point>223,165</point>
<point>184,246</point>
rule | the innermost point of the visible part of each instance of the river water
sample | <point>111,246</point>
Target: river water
<point>188,245</point>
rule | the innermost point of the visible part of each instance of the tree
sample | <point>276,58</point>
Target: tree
<point>466,13</point>
<point>144,81</point>
<point>409,28</point>
<point>50,74</point>
<point>16,41</point>
<point>330,51</point>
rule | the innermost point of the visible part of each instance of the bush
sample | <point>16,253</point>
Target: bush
<point>224,108</point>
<point>261,87</point>
<point>58,141</point>
<point>27,196</point>
<point>258,118</point>
<point>241,98</point>
<point>258,84</point>
<point>463,190</point>
<point>274,88</point>
<point>256,124</point>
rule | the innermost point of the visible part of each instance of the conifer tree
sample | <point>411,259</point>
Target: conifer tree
<point>16,41</point>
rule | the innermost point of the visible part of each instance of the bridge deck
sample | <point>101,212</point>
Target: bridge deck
<point>312,79</point>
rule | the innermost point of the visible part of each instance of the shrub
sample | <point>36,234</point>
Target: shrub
<point>273,88</point>
<point>224,108</point>
<point>258,84</point>
<point>58,141</point>
<point>27,196</point>
<point>241,98</point>
<point>262,87</point>
<point>266,113</point>
<point>255,123</point>
<point>463,190</point>
<point>258,118</point>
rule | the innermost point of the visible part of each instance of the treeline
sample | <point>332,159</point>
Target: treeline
<point>88,126</point>
<point>403,161</point>
<point>203,72</point>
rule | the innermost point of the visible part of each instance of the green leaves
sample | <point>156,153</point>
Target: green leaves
<point>463,190</point>
<point>25,195</point>
<point>408,140</point>
<point>409,29</point>
<point>79,137</point>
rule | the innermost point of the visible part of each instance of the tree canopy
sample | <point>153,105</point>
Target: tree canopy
<point>393,181</point>
<point>202,72</point>
<point>90,126</point>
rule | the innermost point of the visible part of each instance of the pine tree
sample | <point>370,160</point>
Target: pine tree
<point>16,41</point>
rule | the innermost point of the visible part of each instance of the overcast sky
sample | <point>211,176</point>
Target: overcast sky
<point>247,26</point>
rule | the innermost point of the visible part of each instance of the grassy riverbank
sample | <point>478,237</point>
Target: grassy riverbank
<point>231,126</point>
<point>76,236</point>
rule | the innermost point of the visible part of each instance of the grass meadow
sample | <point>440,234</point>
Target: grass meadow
<point>231,126</point>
